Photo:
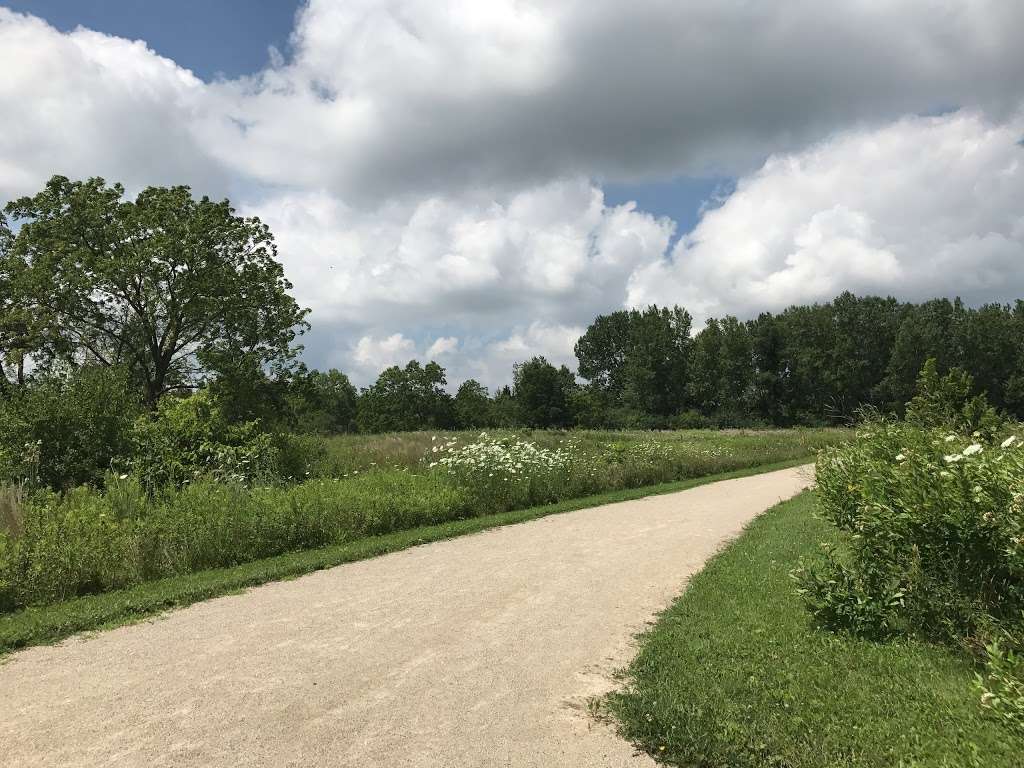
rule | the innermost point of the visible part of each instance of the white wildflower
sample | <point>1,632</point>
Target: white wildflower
<point>1008,441</point>
<point>900,457</point>
<point>953,458</point>
<point>950,438</point>
<point>972,449</point>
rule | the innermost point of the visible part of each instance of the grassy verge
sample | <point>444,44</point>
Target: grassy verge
<point>734,675</point>
<point>48,624</point>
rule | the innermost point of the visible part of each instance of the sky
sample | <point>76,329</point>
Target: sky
<point>473,181</point>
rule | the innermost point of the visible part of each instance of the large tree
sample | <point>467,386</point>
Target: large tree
<point>638,358</point>
<point>166,285</point>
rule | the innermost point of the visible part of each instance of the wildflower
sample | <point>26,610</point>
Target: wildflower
<point>953,458</point>
<point>900,457</point>
<point>122,477</point>
<point>1008,441</point>
<point>972,449</point>
<point>950,438</point>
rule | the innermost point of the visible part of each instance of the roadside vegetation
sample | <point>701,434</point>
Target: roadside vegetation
<point>162,518</point>
<point>885,630</point>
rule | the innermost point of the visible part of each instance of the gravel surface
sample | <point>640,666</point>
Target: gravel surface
<point>480,651</point>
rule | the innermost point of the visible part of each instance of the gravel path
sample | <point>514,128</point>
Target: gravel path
<point>479,651</point>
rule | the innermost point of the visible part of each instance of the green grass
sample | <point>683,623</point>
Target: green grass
<point>702,448</point>
<point>51,623</point>
<point>733,674</point>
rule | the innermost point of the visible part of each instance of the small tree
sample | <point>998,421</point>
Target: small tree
<point>165,285</point>
<point>544,393</point>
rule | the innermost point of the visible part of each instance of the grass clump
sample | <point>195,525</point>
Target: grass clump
<point>734,674</point>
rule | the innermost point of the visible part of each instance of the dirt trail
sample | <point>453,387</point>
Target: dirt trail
<point>479,651</point>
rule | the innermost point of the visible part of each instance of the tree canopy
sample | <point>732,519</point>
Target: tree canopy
<point>167,286</point>
<point>406,398</point>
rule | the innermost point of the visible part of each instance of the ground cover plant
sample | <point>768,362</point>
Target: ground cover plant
<point>735,674</point>
<point>57,546</point>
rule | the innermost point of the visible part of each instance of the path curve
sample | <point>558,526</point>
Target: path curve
<point>478,651</point>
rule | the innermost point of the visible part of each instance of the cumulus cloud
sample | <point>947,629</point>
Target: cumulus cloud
<point>398,97</point>
<point>550,257</point>
<point>433,171</point>
<point>926,206</point>
<point>86,104</point>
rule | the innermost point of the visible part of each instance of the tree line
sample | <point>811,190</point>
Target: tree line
<point>177,294</point>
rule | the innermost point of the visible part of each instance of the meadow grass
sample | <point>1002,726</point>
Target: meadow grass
<point>51,623</point>
<point>88,541</point>
<point>734,674</point>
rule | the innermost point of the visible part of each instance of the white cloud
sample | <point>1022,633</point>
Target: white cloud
<point>399,97</point>
<point>920,208</point>
<point>86,104</point>
<point>550,257</point>
<point>432,170</point>
<point>442,347</point>
<point>376,354</point>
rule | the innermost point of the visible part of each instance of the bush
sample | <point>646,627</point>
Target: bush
<point>935,524</point>
<point>1001,687</point>
<point>63,431</point>
<point>190,437</point>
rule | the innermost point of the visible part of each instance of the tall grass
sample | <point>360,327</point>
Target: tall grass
<point>88,541</point>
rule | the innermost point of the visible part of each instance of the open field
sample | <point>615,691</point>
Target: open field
<point>734,675</point>
<point>479,651</point>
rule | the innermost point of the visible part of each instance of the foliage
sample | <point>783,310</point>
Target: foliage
<point>165,285</point>
<point>322,402</point>
<point>473,407</point>
<point>66,430</point>
<point>406,398</point>
<point>188,438</point>
<point>86,542</point>
<point>639,358</point>
<point>1001,688</point>
<point>732,674</point>
<point>543,393</point>
<point>808,364</point>
<point>945,402</point>
<point>935,524</point>
<point>136,529</point>
<point>508,473</point>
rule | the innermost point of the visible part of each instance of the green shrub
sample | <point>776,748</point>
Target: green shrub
<point>191,437</point>
<point>63,431</point>
<point>1001,687</point>
<point>936,522</point>
<point>934,519</point>
<point>300,456</point>
<point>946,402</point>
